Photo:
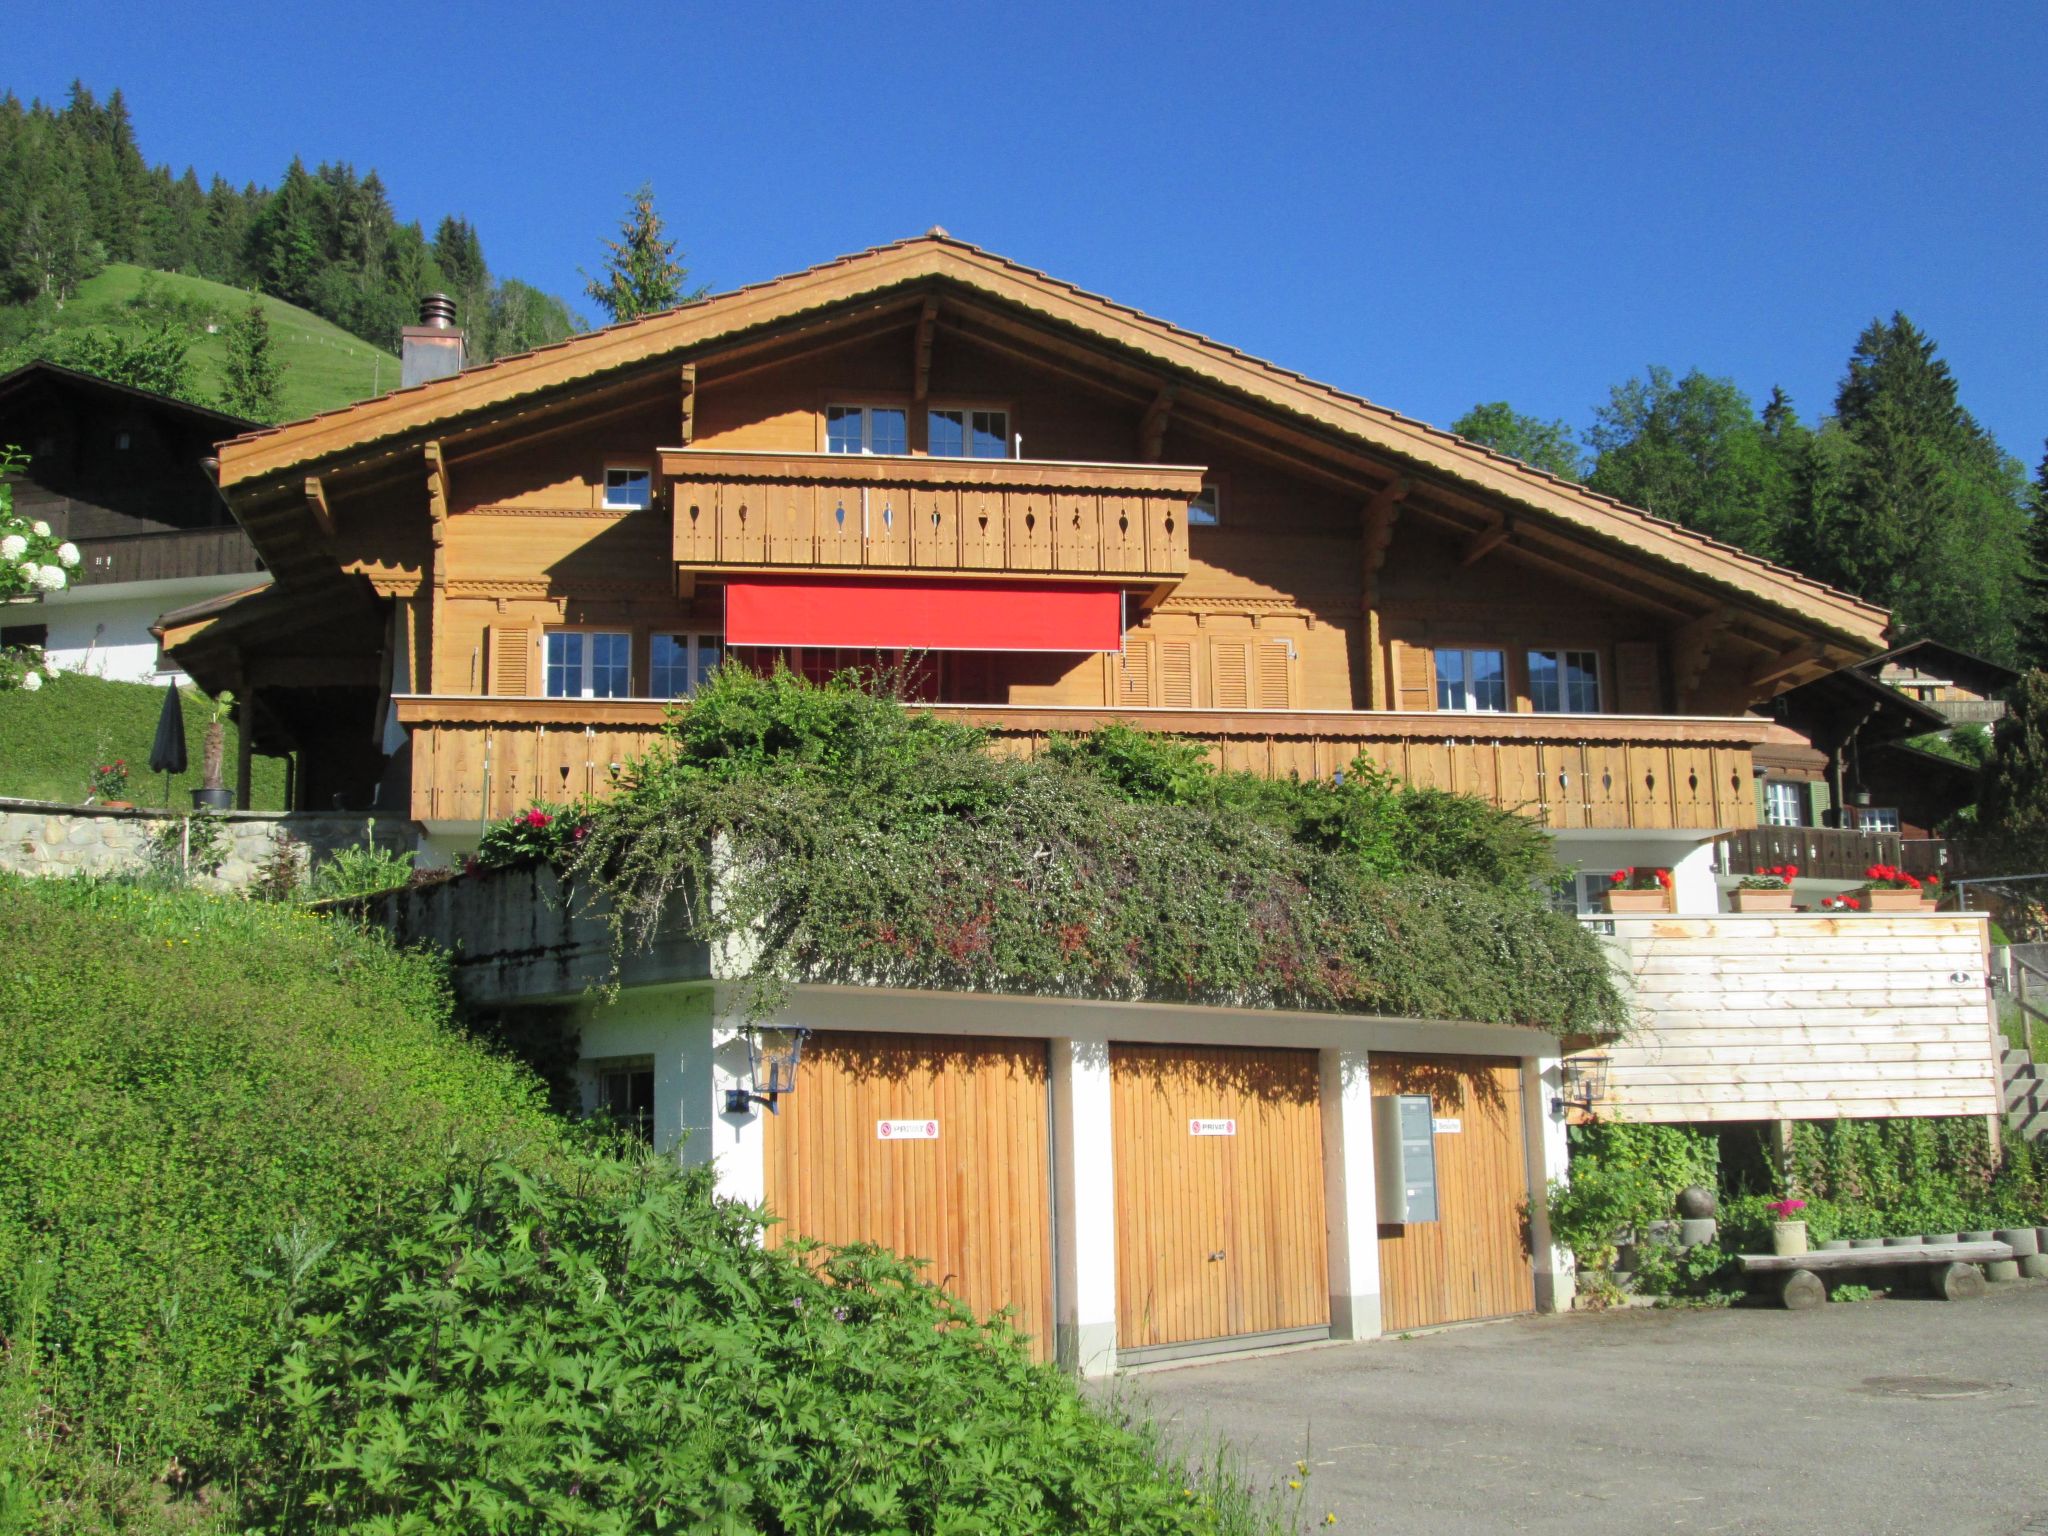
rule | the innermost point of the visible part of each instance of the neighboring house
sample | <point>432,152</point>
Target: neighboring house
<point>490,587</point>
<point>127,476</point>
<point>1965,689</point>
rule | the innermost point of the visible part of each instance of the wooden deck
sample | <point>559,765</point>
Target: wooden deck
<point>480,758</point>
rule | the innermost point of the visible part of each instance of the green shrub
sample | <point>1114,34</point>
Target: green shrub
<point>862,842</point>
<point>1623,1177</point>
<point>182,846</point>
<point>361,869</point>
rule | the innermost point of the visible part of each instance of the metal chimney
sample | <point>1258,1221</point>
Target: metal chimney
<point>433,348</point>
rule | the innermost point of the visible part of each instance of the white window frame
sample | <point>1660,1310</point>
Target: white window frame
<point>693,663</point>
<point>589,663</point>
<point>1801,799</point>
<point>967,413</point>
<point>1890,813</point>
<point>1206,510</point>
<point>1561,652</point>
<point>604,490</point>
<point>1507,686</point>
<point>867,423</point>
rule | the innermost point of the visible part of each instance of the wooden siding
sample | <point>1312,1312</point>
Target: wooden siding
<point>192,552</point>
<point>826,511</point>
<point>1819,853</point>
<point>1802,1017</point>
<point>1473,1261</point>
<point>1217,1236</point>
<point>478,758</point>
<point>975,1201</point>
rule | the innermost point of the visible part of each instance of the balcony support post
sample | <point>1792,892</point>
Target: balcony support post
<point>1380,513</point>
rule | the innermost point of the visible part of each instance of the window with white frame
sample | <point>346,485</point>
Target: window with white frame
<point>628,487</point>
<point>1471,679</point>
<point>1206,510</point>
<point>1564,682</point>
<point>1877,818</point>
<point>867,429</point>
<point>968,434</point>
<point>1784,803</point>
<point>678,665</point>
<point>588,664</point>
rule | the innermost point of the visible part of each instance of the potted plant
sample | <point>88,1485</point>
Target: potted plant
<point>1768,890</point>
<point>1890,889</point>
<point>1841,904</point>
<point>1788,1232</point>
<point>212,795</point>
<point>1639,890</point>
<point>1930,892</point>
<point>109,785</point>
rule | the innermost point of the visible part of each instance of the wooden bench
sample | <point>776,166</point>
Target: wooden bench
<point>1952,1272</point>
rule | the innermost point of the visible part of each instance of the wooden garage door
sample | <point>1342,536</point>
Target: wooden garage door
<point>1474,1260</point>
<point>975,1199</point>
<point>1217,1234</point>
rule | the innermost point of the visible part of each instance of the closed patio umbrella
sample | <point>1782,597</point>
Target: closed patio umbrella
<point>167,752</point>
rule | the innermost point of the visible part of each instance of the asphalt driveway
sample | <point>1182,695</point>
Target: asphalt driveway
<point>1880,1416</point>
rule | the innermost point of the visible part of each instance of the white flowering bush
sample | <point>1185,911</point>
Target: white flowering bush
<point>24,667</point>
<point>33,560</point>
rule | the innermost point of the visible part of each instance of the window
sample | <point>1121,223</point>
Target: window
<point>967,434</point>
<point>678,665</point>
<point>1878,818</point>
<point>589,664</point>
<point>866,429</point>
<point>625,1094</point>
<point>123,442</point>
<point>1471,679</point>
<point>628,488</point>
<point>1784,803</point>
<point>1206,510</point>
<point>1564,682</point>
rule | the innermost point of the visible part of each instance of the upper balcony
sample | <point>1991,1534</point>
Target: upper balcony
<point>757,511</point>
<point>480,758</point>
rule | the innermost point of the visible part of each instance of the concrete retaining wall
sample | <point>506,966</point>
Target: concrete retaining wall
<point>42,838</point>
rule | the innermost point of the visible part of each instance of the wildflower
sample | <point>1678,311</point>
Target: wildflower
<point>1294,1482</point>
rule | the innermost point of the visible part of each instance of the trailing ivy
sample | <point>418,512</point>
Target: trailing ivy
<point>858,841</point>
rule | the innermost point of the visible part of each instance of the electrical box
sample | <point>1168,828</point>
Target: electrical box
<point>1404,1155</point>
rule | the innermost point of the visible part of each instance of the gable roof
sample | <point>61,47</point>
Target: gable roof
<point>938,258</point>
<point>1972,671</point>
<point>42,372</point>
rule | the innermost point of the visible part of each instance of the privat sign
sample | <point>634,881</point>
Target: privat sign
<point>1212,1127</point>
<point>906,1130</point>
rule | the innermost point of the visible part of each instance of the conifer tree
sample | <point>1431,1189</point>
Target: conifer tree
<point>2033,638</point>
<point>2012,786</point>
<point>252,382</point>
<point>644,272</point>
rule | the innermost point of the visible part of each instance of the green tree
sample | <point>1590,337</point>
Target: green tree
<point>521,318</point>
<point>1692,450</point>
<point>1545,445</point>
<point>2033,635</point>
<point>2012,786</point>
<point>252,382</point>
<point>644,272</point>
<point>155,357</point>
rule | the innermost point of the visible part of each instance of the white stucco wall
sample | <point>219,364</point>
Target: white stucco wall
<point>1688,855</point>
<point>104,630</point>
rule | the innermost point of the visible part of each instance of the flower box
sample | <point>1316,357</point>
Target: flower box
<point>1877,899</point>
<point>1637,901</point>
<point>1764,901</point>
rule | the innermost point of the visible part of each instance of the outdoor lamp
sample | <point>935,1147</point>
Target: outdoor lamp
<point>1582,1083</point>
<point>772,1057</point>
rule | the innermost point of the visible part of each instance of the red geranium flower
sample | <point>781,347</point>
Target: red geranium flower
<point>538,818</point>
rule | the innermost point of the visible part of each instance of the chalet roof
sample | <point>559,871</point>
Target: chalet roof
<point>1933,659</point>
<point>267,454</point>
<point>30,376</point>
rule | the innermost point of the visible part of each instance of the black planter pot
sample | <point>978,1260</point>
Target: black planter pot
<point>213,799</point>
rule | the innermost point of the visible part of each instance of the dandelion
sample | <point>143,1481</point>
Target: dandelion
<point>1294,1482</point>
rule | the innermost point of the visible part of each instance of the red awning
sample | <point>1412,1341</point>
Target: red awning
<point>940,614</point>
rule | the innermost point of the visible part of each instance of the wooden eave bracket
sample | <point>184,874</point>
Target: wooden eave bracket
<point>921,355</point>
<point>316,503</point>
<point>1380,515</point>
<point>1692,643</point>
<point>1152,431</point>
<point>1486,541</point>
<point>1805,654</point>
<point>689,421</point>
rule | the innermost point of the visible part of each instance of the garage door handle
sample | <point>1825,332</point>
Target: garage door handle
<point>1216,1255</point>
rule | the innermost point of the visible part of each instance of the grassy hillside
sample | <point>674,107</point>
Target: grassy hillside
<point>281,1250</point>
<point>324,366</point>
<point>49,739</point>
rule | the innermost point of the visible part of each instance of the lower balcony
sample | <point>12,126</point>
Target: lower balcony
<point>1835,853</point>
<point>480,758</point>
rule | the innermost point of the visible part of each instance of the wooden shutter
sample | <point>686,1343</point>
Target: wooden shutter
<point>1230,674</point>
<point>1133,673</point>
<point>1273,674</point>
<point>510,649</point>
<point>1638,683</point>
<point>1176,688</point>
<point>1414,677</point>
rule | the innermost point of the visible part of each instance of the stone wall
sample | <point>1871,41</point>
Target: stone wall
<point>41,838</point>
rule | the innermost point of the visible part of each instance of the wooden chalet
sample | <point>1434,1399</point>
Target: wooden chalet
<point>490,589</point>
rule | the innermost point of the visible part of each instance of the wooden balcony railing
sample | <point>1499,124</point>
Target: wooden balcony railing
<point>166,556</point>
<point>1821,853</point>
<point>482,758</point>
<point>829,511</point>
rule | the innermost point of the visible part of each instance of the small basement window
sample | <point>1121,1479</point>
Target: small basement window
<point>625,1095</point>
<point>628,487</point>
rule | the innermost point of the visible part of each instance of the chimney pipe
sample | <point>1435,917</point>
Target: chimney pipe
<point>433,348</point>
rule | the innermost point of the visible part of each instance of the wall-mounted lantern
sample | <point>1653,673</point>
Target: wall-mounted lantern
<point>772,1057</point>
<point>1581,1083</point>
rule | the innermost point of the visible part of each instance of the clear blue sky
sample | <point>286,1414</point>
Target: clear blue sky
<point>1479,202</point>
